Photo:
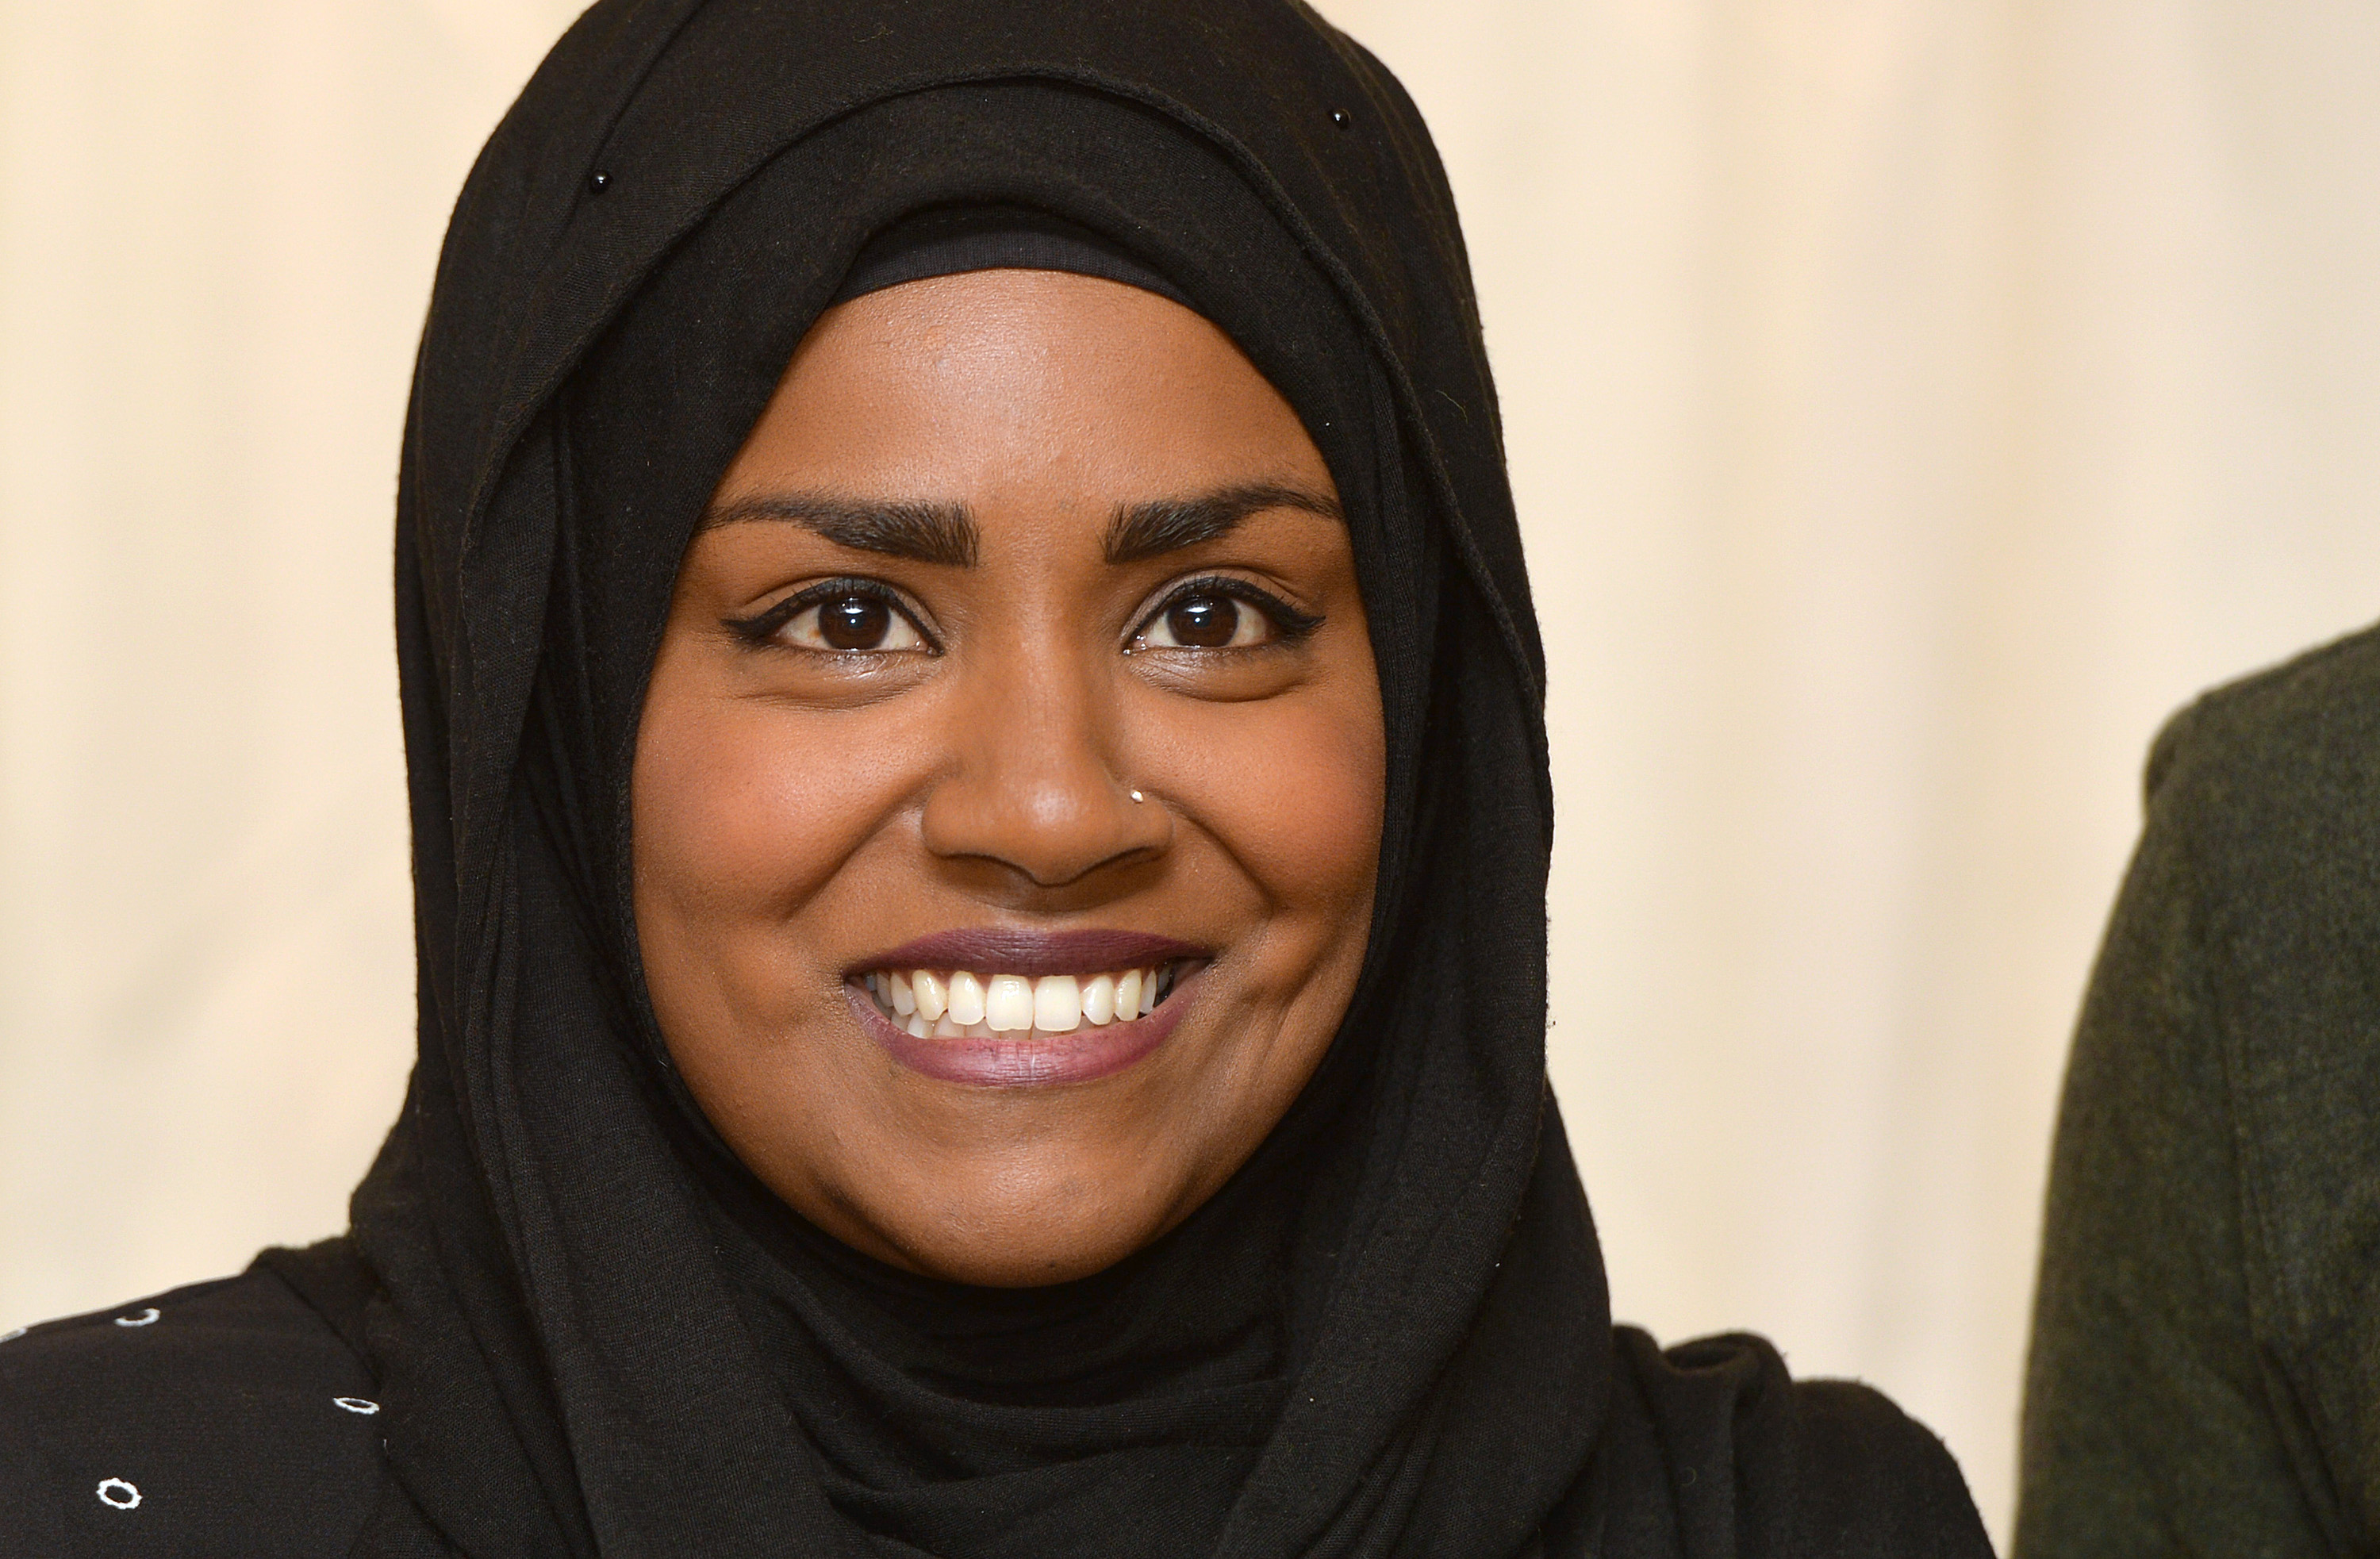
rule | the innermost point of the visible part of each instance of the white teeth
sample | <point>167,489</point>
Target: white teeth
<point>1057,1004</point>
<point>966,998</point>
<point>930,1003</point>
<point>1008,1004</point>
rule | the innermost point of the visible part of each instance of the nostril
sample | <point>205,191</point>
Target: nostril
<point>1052,835</point>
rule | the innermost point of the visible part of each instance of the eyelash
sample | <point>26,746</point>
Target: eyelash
<point>761,627</point>
<point>1291,623</point>
<point>759,630</point>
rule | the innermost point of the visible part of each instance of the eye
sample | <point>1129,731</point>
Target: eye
<point>840,617</point>
<point>850,622</point>
<point>1222,615</point>
<point>1204,622</point>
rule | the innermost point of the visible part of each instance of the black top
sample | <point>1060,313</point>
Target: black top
<point>2206,1373</point>
<point>232,1418</point>
<point>224,1419</point>
<point>589,1330</point>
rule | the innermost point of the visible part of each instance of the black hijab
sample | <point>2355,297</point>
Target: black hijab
<point>1388,1335</point>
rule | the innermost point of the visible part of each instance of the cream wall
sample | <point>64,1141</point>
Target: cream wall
<point>1908,403</point>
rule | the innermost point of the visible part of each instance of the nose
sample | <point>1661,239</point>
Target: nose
<point>1032,787</point>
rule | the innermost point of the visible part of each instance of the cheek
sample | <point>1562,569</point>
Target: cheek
<point>743,813</point>
<point>1293,791</point>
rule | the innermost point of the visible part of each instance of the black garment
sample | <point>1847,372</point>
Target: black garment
<point>951,239</point>
<point>220,1420</point>
<point>591,1332</point>
<point>2206,1371</point>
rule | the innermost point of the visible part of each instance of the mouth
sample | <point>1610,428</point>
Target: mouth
<point>1009,1009</point>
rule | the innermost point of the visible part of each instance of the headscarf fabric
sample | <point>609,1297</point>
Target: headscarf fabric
<point>1389,1333</point>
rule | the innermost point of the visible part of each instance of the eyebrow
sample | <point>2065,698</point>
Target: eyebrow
<point>947,533</point>
<point>923,532</point>
<point>1164,525</point>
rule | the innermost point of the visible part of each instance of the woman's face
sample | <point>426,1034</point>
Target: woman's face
<point>1007,799</point>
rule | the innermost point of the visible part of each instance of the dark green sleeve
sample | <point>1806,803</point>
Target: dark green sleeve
<point>2181,1359</point>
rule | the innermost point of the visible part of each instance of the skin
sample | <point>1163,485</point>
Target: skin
<point>801,804</point>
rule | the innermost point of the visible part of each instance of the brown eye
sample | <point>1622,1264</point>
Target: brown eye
<point>1203,622</point>
<point>852,624</point>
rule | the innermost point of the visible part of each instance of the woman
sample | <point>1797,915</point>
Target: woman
<point>981,823</point>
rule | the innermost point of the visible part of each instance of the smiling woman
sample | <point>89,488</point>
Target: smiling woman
<point>980,826</point>
<point>1050,582</point>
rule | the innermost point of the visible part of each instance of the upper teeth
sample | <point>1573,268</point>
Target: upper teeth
<point>949,1003</point>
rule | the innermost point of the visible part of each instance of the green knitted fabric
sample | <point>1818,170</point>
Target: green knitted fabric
<point>2205,1368</point>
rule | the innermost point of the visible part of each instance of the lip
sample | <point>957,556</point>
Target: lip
<point>1089,1053</point>
<point>999,950</point>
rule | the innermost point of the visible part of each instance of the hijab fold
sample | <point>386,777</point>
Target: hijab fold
<point>596,1333</point>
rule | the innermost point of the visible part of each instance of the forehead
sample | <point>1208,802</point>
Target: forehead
<point>1038,383</point>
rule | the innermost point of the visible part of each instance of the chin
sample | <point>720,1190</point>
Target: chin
<point>1038,1226</point>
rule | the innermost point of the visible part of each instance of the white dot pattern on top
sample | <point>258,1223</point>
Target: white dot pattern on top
<point>225,1418</point>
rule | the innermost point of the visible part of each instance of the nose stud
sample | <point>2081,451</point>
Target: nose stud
<point>1139,797</point>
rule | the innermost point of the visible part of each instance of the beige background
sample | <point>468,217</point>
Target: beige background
<point>1908,403</point>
